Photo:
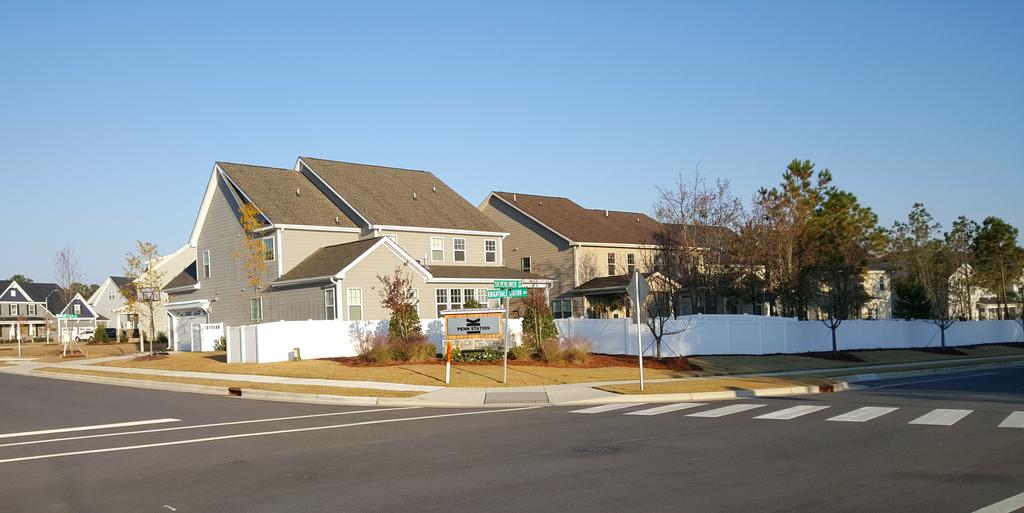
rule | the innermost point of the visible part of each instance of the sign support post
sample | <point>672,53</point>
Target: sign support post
<point>448,364</point>
<point>504,378</point>
<point>638,290</point>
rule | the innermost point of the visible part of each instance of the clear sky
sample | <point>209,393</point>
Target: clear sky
<point>111,117</point>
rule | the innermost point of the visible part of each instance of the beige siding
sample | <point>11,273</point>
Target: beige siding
<point>417,244</point>
<point>382,261</point>
<point>227,286</point>
<point>297,303</point>
<point>550,255</point>
<point>296,244</point>
<point>593,261</point>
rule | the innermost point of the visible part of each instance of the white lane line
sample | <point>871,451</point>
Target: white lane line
<point>262,433</point>
<point>863,414</point>
<point>658,410</point>
<point>727,410</point>
<point>202,426</point>
<point>791,413</point>
<point>607,407</point>
<point>1005,506</point>
<point>89,428</point>
<point>941,417</point>
<point>936,379</point>
<point>1015,420</point>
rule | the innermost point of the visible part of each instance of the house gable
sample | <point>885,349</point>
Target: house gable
<point>15,294</point>
<point>85,309</point>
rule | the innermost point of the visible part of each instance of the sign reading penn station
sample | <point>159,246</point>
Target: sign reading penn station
<point>474,325</point>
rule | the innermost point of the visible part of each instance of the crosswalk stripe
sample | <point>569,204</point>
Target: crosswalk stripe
<point>658,410</point>
<point>863,414</point>
<point>607,407</point>
<point>1015,420</point>
<point>941,417</point>
<point>726,410</point>
<point>791,413</point>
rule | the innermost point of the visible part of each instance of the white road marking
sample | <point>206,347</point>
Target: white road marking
<point>726,410</point>
<point>262,433</point>
<point>863,414</point>
<point>89,428</point>
<point>1005,506</point>
<point>658,410</point>
<point>1015,420</point>
<point>202,426</point>
<point>936,379</point>
<point>941,417</point>
<point>791,413</point>
<point>607,407</point>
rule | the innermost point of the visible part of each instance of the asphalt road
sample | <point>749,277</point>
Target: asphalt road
<point>236,455</point>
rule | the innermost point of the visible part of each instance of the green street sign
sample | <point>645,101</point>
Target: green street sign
<point>508,284</point>
<point>504,293</point>
<point>67,316</point>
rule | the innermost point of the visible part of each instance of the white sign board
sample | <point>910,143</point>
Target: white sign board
<point>483,325</point>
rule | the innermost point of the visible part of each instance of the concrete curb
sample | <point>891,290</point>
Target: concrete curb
<point>861,378</point>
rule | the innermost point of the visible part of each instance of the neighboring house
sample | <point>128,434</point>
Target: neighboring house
<point>878,285</point>
<point>329,229</point>
<point>589,253</point>
<point>27,309</point>
<point>969,301</point>
<point>77,315</point>
<point>169,267</point>
<point>109,301</point>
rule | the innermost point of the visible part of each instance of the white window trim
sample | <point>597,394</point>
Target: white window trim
<point>75,308</point>
<point>438,304</point>
<point>206,263</point>
<point>32,310</point>
<point>494,251</point>
<point>464,250</point>
<point>432,239</point>
<point>349,304</point>
<point>334,305</point>
<point>525,268</point>
<point>13,310</point>
<point>273,255</point>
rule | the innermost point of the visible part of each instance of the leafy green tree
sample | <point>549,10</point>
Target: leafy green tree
<point>846,235</point>
<point>21,278</point>
<point>960,243</point>
<point>999,261</point>
<point>910,300</point>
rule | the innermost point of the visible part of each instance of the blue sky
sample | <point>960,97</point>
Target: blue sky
<point>111,116</point>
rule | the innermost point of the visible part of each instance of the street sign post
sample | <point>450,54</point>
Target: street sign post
<point>507,293</point>
<point>638,290</point>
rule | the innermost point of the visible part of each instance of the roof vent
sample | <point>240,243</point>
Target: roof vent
<point>541,203</point>
<point>414,195</point>
<point>433,188</point>
<point>298,192</point>
<point>638,219</point>
<point>606,213</point>
<point>337,219</point>
<point>514,199</point>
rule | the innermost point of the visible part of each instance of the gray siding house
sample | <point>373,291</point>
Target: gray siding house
<point>27,310</point>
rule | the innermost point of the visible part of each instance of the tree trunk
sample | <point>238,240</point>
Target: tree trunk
<point>835,347</point>
<point>942,335</point>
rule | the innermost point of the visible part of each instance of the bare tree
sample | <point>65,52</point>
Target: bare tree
<point>66,271</point>
<point>699,222</point>
<point>141,268</point>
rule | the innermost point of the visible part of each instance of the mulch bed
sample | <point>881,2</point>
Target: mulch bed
<point>593,362</point>
<point>942,350</point>
<point>840,356</point>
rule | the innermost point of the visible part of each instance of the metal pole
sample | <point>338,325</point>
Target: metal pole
<point>639,343</point>
<point>504,378</point>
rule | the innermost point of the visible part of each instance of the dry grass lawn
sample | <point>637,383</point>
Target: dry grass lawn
<point>463,375</point>
<point>712,385</point>
<point>51,352</point>
<point>244,385</point>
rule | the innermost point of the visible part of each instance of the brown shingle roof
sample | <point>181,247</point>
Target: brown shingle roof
<point>583,224</point>
<point>384,195</point>
<point>185,278</point>
<point>328,260</point>
<point>272,190</point>
<point>484,272</point>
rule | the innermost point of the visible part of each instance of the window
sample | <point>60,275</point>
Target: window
<point>14,309</point>
<point>441,299</point>
<point>256,309</point>
<point>459,249</point>
<point>31,309</point>
<point>561,308</point>
<point>455,296</point>
<point>75,309</point>
<point>112,293</point>
<point>268,249</point>
<point>481,296</point>
<point>437,249</point>
<point>355,304</point>
<point>330,312</point>
<point>206,264</point>
<point>13,293</point>
<point>611,264</point>
<point>526,265</point>
<point>631,263</point>
<point>416,300</point>
<point>490,251</point>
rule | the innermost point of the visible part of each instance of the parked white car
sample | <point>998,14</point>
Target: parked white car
<point>85,334</point>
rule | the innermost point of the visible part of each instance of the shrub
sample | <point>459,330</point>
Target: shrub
<point>161,337</point>
<point>398,296</point>
<point>123,337</point>
<point>100,336</point>
<point>538,323</point>
<point>221,344</point>
<point>472,303</point>
<point>523,352</point>
<point>414,348</point>
<point>577,350</point>
<point>550,352</point>
<point>374,348</point>
<point>489,354</point>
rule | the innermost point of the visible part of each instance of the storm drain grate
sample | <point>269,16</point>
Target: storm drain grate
<point>516,398</point>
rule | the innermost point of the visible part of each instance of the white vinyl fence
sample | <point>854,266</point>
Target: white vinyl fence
<point>754,334</point>
<point>277,341</point>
